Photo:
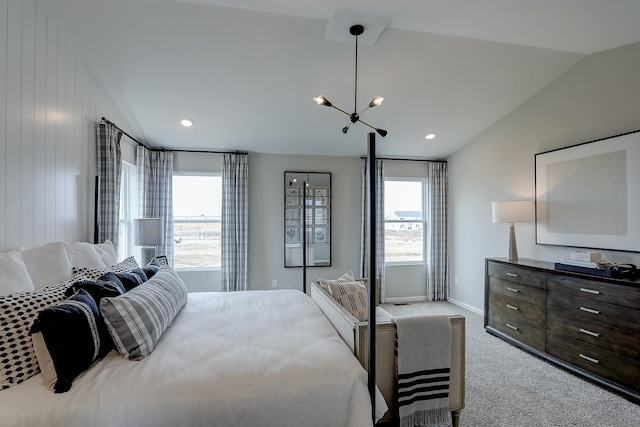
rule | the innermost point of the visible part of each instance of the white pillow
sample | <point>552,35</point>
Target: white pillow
<point>14,276</point>
<point>84,254</point>
<point>47,264</point>
<point>107,252</point>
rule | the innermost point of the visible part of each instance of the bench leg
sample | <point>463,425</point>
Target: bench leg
<point>455,418</point>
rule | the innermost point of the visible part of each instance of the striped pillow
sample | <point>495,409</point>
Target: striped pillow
<point>352,296</point>
<point>137,319</point>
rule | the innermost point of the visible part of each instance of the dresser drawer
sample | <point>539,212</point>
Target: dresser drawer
<point>517,290</point>
<point>606,337</point>
<point>516,274</point>
<point>626,296</point>
<point>608,365</point>
<point>595,311</point>
<point>532,313</point>
<point>517,328</point>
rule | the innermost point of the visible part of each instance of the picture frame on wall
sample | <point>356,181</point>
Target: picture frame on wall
<point>587,194</point>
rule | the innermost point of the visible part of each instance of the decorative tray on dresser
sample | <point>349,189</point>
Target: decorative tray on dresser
<point>587,324</point>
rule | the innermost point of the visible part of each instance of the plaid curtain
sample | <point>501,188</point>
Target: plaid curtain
<point>235,221</point>
<point>364,230</point>
<point>155,192</point>
<point>438,233</point>
<point>109,170</point>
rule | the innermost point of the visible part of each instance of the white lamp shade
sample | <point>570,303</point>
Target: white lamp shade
<point>148,231</point>
<point>512,211</point>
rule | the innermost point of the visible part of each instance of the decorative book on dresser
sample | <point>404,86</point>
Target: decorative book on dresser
<point>587,324</point>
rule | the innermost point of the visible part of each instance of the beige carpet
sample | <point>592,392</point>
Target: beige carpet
<point>507,387</point>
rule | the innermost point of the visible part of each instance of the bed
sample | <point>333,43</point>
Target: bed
<point>254,358</point>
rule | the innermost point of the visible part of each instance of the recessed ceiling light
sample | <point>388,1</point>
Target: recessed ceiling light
<point>186,122</point>
<point>430,136</point>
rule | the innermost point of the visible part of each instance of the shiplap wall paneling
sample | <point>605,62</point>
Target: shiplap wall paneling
<point>12,129</point>
<point>40,130</point>
<point>51,66</point>
<point>27,102</point>
<point>4,16</point>
<point>50,104</point>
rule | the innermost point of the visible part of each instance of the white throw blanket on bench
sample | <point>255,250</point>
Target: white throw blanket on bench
<point>423,364</point>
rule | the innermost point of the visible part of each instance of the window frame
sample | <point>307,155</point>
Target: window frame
<point>128,208</point>
<point>198,268</point>
<point>423,183</point>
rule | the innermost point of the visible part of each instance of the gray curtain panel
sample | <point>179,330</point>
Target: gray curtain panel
<point>109,170</point>
<point>364,220</point>
<point>155,192</point>
<point>438,232</point>
<point>235,221</point>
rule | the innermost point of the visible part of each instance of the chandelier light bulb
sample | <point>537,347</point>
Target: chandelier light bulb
<point>430,136</point>
<point>186,122</point>
<point>376,101</point>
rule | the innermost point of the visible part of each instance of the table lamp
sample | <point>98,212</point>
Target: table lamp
<point>149,233</point>
<point>511,212</point>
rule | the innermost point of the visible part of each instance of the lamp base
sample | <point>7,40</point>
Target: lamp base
<point>147,253</point>
<point>513,249</point>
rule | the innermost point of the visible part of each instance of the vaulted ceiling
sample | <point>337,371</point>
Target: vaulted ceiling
<point>245,71</point>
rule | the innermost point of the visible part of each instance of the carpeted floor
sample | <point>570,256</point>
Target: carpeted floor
<point>507,387</point>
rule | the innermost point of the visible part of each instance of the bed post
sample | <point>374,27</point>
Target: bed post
<point>371,170</point>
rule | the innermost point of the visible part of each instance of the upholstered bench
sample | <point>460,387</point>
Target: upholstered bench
<point>354,334</point>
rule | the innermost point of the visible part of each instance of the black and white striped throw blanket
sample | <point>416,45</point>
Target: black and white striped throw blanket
<point>423,364</point>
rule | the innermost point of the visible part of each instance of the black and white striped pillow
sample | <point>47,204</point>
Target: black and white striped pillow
<point>67,339</point>
<point>137,319</point>
<point>353,297</point>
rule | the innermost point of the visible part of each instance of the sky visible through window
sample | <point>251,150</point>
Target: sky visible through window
<point>197,206</point>
<point>402,196</point>
<point>403,209</point>
<point>197,196</point>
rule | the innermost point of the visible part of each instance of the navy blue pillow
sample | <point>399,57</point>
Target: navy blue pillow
<point>71,335</point>
<point>111,277</point>
<point>150,270</point>
<point>98,289</point>
<point>132,278</point>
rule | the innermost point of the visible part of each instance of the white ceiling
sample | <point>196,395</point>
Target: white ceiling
<point>246,70</point>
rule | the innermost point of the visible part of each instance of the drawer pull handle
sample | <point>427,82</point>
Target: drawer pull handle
<point>589,310</point>
<point>588,332</point>
<point>590,359</point>
<point>590,291</point>
<point>512,307</point>
<point>512,275</point>
<point>515,328</point>
<point>513,290</point>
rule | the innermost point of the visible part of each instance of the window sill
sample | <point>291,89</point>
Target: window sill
<point>195,269</point>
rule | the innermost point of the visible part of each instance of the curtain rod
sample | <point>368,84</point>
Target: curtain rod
<point>109,122</point>
<point>408,160</point>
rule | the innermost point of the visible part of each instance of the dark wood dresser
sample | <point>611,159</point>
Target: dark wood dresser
<point>587,324</point>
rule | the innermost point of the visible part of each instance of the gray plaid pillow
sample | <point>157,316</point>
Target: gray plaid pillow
<point>137,319</point>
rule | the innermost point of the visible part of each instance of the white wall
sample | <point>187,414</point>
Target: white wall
<point>266,210</point>
<point>49,105</point>
<point>597,98</point>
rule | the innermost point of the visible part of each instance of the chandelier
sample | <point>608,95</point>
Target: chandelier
<point>355,30</point>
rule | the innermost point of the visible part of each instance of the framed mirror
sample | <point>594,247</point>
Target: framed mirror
<point>307,219</point>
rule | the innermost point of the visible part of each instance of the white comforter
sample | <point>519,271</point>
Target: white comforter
<point>256,358</point>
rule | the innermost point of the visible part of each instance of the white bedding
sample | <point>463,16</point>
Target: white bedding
<point>256,358</point>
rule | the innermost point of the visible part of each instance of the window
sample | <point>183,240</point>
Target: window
<point>128,210</point>
<point>404,226</point>
<point>197,207</point>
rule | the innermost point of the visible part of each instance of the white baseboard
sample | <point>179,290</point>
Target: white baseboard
<point>466,306</point>
<point>395,300</point>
